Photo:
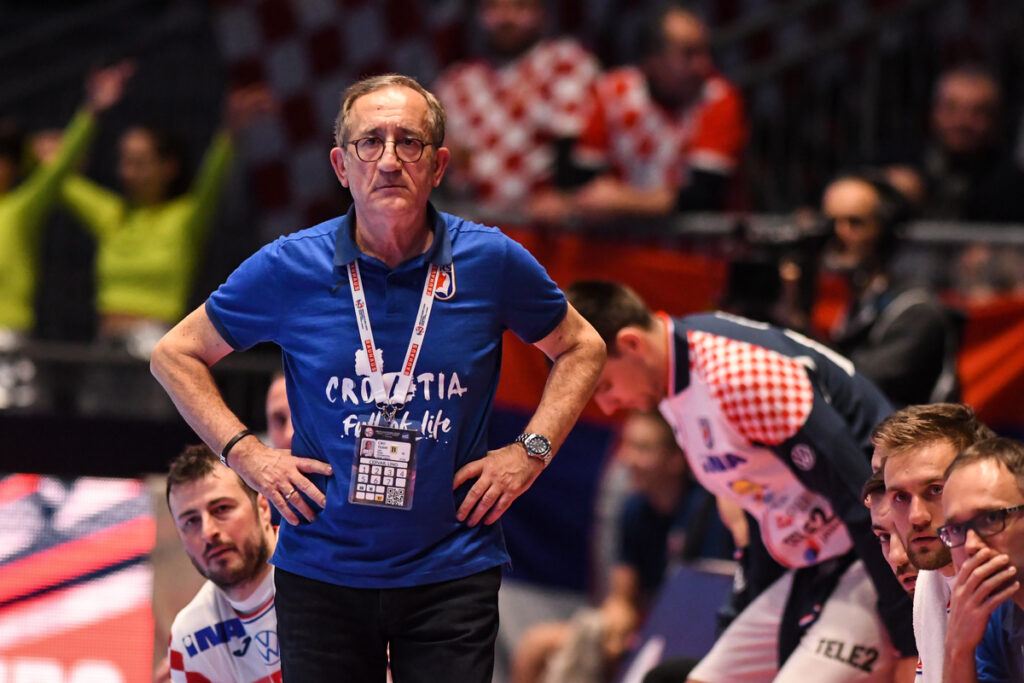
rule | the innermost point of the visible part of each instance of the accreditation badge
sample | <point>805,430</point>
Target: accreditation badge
<point>384,467</point>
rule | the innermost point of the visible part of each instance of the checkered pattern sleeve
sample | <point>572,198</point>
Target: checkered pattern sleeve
<point>765,395</point>
<point>504,119</point>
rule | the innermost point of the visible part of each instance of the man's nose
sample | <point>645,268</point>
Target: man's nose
<point>973,542</point>
<point>211,530</point>
<point>389,160</point>
<point>919,515</point>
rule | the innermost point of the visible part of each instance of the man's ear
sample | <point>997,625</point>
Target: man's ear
<point>263,508</point>
<point>338,164</point>
<point>631,340</point>
<point>441,160</point>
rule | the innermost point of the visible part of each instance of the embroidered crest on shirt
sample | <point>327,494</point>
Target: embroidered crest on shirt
<point>444,288</point>
<point>803,457</point>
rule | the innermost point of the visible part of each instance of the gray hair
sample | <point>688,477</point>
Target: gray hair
<point>436,117</point>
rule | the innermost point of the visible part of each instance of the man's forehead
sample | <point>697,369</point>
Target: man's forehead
<point>394,105</point>
<point>918,464</point>
<point>978,486</point>
<point>219,484</point>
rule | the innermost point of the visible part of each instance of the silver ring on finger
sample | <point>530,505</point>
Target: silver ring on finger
<point>289,494</point>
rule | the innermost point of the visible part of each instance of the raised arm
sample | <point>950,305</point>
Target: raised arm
<point>242,107</point>
<point>578,356</point>
<point>181,363</point>
<point>104,88</point>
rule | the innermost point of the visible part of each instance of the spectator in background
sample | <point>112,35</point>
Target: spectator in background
<point>514,107</point>
<point>900,336</point>
<point>915,446</point>
<point>279,414</point>
<point>667,520</point>
<point>663,137</point>
<point>23,206</point>
<point>149,244</point>
<point>225,528</point>
<point>967,173</point>
<point>982,504</point>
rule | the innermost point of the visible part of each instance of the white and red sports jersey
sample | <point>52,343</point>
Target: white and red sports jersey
<point>504,119</point>
<point>650,147</point>
<point>781,425</point>
<point>741,409</point>
<point>215,640</point>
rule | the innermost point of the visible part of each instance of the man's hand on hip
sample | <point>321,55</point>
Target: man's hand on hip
<point>278,475</point>
<point>501,477</point>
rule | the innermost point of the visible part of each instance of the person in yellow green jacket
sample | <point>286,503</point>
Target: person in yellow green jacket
<point>24,206</point>
<point>149,240</point>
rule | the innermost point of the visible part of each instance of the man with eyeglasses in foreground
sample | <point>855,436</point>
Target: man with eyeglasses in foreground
<point>914,446</point>
<point>390,321</point>
<point>983,503</point>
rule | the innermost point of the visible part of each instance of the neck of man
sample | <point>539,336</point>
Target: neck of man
<point>394,242</point>
<point>660,355</point>
<point>243,589</point>
<point>948,571</point>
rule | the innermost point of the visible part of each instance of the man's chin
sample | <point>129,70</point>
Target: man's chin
<point>930,560</point>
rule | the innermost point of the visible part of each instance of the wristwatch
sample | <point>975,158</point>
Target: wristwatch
<point>537,446</point>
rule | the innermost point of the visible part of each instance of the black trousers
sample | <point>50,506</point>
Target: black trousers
<point>436,632</point>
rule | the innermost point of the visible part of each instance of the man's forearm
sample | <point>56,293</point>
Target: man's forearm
<point>569,385</point>
<point>181,363</point>
<point>959,666</point>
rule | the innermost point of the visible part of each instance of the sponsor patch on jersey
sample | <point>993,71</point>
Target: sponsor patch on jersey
<point>705,432</point>
<point>803,457</point>
<point>445,287</point>
<point>809,618</point>
<point>267,647</point>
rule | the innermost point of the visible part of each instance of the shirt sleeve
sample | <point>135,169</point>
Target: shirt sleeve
<point>532,304</point>
<point>593,150</point>
<point>990,655</point>
<point>208,184</point>
<point>97,208</point>
<point>721,132</point>
<point>570,90</point>
<point>41,187</point>
<point>246,309</point>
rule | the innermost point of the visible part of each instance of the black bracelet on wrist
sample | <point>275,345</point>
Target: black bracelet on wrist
<point>231,443</point>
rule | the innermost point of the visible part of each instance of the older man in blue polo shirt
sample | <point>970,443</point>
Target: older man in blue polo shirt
<point>390,321</point>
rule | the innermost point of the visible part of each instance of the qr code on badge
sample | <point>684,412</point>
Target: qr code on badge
<point>394,496</point>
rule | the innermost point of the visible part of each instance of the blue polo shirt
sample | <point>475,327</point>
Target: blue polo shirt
<point>999,656</point>
<point>294,292</point>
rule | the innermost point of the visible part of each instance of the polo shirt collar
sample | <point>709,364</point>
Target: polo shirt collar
<point>440,253</point>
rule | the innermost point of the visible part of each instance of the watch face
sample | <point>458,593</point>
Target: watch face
<point>537,445</point>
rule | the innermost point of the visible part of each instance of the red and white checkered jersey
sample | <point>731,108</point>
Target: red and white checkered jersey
<point>650,147</point>
<point>215,640</point>
<point>742,399</point>
<point>503,119</point>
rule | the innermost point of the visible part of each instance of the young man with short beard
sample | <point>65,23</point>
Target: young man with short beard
<point>229,630</point>
<point>915,446</point>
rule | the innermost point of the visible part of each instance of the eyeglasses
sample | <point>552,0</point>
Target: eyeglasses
<point>988,523</point>
<point>408,150</point>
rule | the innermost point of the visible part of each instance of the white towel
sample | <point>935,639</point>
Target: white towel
<point>931,610</point>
